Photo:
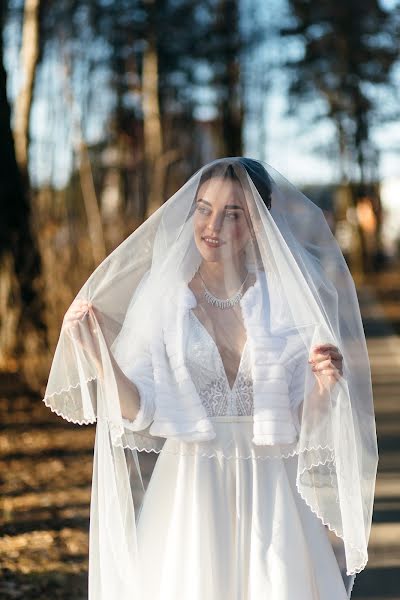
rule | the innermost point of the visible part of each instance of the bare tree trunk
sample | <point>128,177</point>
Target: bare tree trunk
<point>152,129</point>
<point>349,197</point>
<point>155,163</point>
<point>157,184</point>
<point>29,57</point>
<point>232,102</point>
<point>22,328</point>
<point>95,226</point>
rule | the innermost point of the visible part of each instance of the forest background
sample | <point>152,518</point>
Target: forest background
<point>107,107</point>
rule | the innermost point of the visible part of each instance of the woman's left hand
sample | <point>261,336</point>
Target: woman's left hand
<point>327,364</point>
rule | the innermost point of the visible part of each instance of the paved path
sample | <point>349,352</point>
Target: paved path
<point>381,578</point>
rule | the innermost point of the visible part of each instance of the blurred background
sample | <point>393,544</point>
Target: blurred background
<point>106,108</point>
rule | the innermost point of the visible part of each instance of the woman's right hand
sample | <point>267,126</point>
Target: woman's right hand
<point>80,323</point>
<point>78,309</point>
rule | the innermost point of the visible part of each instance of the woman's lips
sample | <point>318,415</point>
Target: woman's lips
<point>213,242</point>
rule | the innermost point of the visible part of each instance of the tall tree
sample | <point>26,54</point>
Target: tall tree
<point>348,50</point>
<point>229,80</point>
<point>29,56</point>
<point>22,330</point>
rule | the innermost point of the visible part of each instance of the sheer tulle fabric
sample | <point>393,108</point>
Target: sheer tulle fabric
<point>265,431</point>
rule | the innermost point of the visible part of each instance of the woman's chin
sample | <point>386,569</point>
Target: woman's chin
<point>212,255</point>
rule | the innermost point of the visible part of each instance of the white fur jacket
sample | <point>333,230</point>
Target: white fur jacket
<point>169,401</point>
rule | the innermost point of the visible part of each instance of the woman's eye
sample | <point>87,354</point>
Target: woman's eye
<point>203,210</point>
<point>232,216</point>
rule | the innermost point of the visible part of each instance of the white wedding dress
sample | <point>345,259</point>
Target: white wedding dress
<point>217,527</point>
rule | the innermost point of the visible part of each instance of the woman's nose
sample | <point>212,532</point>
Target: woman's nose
<point>215,222</point>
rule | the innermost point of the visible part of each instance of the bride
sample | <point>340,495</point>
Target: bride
<point>224,334</point>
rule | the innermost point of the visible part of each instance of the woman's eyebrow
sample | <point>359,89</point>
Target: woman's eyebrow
<point>229,206</point>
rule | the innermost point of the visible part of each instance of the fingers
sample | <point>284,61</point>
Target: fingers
<point>325,365</point>
<point>325,349</point>
<point>80,325</point>
<point>328,370</point>
<point>324,352</point>
<point>326,360</point>
<point>77,311</point>
<point>333,354</point>
<point>84,333</point>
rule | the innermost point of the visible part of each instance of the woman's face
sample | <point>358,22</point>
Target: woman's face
<point>221,219</point>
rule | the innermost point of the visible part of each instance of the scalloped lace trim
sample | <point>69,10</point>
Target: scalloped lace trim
<point>217,454</point>
<point>67,418</point>
<point>67,389</point>
<point>316,512</point>
<point>66,412</point>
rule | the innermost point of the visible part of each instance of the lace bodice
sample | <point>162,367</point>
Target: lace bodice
<point>208,374</point>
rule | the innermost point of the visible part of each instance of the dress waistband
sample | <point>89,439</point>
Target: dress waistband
<point>232,419</point>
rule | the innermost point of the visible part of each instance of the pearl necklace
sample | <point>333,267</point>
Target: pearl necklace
<point>218,302</point>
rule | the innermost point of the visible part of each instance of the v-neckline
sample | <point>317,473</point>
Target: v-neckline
<point>231,389</point>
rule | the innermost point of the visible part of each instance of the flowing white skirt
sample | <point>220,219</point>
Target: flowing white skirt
<point>232,528</point>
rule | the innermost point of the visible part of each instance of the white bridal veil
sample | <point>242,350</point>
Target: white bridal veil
<point>298,293</point>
